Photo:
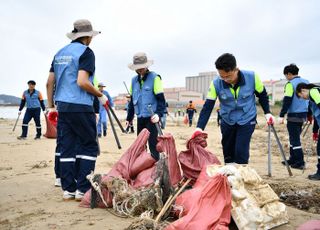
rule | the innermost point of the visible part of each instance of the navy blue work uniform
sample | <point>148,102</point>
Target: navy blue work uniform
<point>34,101</point>
<point>296,110</point>
<point>238,113</point>
<point>190,111</point>
<point>77,133</point>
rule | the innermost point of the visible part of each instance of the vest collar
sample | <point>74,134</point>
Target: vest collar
<point>241,81</point>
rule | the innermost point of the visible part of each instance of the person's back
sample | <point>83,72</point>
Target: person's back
<point>71,73</point>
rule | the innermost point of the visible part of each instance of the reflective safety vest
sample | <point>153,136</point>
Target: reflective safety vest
<point>242,108</point>
<point>298,105</point>
<point>32,100</point>
<point>66,67</point>
<point>143,96</point>
<point>315,110</point>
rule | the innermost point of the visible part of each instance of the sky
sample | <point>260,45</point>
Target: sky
<point>183,37</point>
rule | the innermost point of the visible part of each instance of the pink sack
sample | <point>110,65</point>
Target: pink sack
<point>129,161</point>
<point>205,208</point>
<point>167,145</point>
<point>196,157</point>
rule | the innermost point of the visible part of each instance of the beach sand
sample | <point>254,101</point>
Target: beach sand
<point>29,200</point>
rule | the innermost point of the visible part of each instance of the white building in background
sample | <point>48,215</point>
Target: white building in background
<point>275,89</point>
<point>201,82</point>
<point>181,94</point>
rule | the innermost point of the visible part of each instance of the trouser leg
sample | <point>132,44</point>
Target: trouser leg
<point>36,118</point>
<point>152,141</point>
<point>228,141</point>
<point>26,119</point>
<point>242,145</point>
<point>318,155</point>
<point>99,125</point>
<point>294,129</point>
<point>67,152</point>
<point>88,149</point>
<point>57,154</point>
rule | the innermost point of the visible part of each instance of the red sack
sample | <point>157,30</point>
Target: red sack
<point>196,157</point>
<point>167,145</point>
<point>186,119</point>
<point>51,122</point>
<point>133,162</point>
<point>205,208</point>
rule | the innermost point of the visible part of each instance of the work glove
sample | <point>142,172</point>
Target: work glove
<point>104,101</point>
<point>19,113</point>
<point>281,120</point>
<point>310,119</point>
<point>315,136</point>
<point>270,118</point>
<point>155,118</point>
<point>196,133</point>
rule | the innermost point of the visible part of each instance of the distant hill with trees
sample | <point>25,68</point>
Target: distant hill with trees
<point>9,100</point>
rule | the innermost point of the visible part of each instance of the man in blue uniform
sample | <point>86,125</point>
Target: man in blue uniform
<point>71,79</point>
<point>236,90</point>
<point>296,110</point>
<point>102,112</point>
<point>146,90</point>
<point>34,100</point>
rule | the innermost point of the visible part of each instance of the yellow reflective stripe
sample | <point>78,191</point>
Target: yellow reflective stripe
<point>157,85</point>
<point>258,83</point>
<point>288,90</point>
<point>232,91</point>
<point>95,82</point>
<point>315,95</point>
<point>212,94</point>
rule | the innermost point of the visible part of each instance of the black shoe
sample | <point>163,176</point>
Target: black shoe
<point>298,166</point>
<point>99,135</point>
<point>21,138</point>
<point>315,176</point>
<point>37,138</point>
<point>105,133</point>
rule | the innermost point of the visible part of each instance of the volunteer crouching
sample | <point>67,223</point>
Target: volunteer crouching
<point>71,73</point>
<point>236,90</point>
<point>312,92</point>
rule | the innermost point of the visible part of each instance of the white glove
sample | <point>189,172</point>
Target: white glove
<point>155,118</point>
<point>103,100</point>
<point>196,132</point>
<point>281,120</point>
<point>19,113</point>
<point>270,118</point>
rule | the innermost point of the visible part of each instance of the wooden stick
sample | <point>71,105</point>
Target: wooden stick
<point>170,200</point>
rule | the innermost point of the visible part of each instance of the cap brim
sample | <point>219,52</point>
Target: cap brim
<point>74,36</point>
<point>140,66</point>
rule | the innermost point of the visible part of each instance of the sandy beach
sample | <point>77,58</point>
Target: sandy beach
<point>29,199</point>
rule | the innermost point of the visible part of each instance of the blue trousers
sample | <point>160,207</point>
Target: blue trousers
<point>296,153</point>
<point>31,113</point>
<point>78,149</point>
<point>236,141</point>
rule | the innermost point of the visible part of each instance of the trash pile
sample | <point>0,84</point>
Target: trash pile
<point>192,188</point>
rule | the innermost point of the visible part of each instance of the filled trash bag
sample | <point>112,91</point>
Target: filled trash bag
<point>51,122</point>
<point>166,144</point>
<point>136,166</point>
<point>196,157</point>
<point>205,207</point>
